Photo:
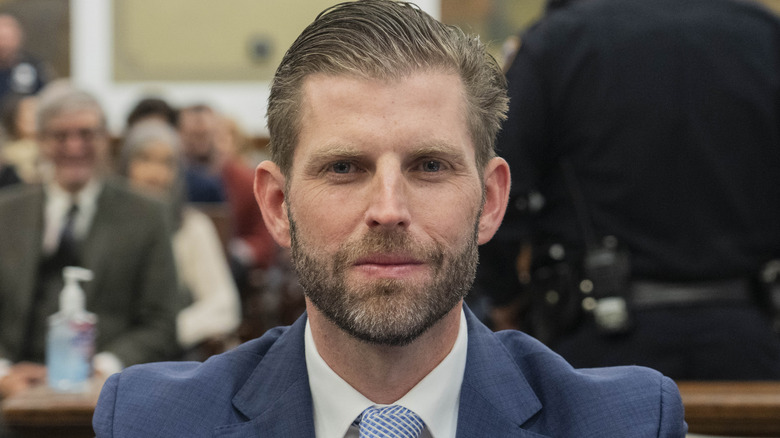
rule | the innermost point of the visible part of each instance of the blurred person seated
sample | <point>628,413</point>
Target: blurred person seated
<point>152,107</point>
<point>82,217</point>
<point>20,145</point>
<point>263,271</point>
<point>150,158</point>
<point>252,245</point>
<point>197,126</point>
<point>233,141</point>
<point>20,72</point>
<point>211,152</point>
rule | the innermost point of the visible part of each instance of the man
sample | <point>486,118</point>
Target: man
<point>651,126</point>
<point>209,165</point>
<point>383,182</point>
<point>20,73</point>
<point>197,125</point>
<point>82,218</point>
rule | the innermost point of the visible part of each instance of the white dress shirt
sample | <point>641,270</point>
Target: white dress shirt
<point>58,202</point>
<point>435,398</point>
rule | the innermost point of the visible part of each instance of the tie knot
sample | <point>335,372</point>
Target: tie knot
<point>390,421</point>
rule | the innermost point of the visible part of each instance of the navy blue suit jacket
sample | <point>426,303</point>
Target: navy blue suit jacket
<point>513,387</point>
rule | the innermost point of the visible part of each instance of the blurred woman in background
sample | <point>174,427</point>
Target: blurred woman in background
<point>150,158</point>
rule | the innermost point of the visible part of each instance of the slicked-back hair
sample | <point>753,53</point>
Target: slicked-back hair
<point>385,40</point>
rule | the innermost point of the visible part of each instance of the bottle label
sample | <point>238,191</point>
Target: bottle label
<point>70,349</point>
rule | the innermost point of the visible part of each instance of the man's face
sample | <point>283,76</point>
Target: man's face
<point>77,145</point>
<point>10,40</point>
<point>197,130</point>
<point>384,200</point>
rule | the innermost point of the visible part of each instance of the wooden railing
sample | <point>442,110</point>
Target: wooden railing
<point>43,412</point>
<point>744,409</point>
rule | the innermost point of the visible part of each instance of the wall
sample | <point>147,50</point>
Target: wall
<point>183,56</point>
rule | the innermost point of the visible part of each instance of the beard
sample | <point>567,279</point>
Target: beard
<point>391,312</point>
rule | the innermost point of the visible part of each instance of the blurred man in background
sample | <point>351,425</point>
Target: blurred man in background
<point>81,217</point>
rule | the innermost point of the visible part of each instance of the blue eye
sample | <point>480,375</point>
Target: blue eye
<point>431,166</point>
<point>341,167</point>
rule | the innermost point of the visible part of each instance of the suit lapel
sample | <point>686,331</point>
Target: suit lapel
<point>276,398</point>
<point>93,249</point>
<point>27,238</point>
<point>496,399</point>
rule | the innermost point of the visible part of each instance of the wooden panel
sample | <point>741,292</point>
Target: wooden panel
<point>43,412</point>
<point>745,409</point>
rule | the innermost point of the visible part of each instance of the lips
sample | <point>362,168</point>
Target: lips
<point>388,265</point>
<point>388,259</point>
<point>75,159</point>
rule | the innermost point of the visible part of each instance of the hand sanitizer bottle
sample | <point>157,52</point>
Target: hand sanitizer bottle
<point>70,343</point>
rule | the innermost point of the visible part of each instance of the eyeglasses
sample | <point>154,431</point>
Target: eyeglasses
<point>84,134</point>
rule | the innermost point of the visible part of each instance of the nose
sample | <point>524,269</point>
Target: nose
<point>74,143</point>
<point>388,203</point>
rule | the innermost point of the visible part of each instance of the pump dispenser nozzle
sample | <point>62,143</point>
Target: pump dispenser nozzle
<point>72,296</point>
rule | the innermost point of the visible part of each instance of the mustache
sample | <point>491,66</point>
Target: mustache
<point>384,242</point>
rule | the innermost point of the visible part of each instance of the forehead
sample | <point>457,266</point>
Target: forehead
<point>156,147</point>
<point>79,118</point>
<point>192,117</point>
<point>349,111</point>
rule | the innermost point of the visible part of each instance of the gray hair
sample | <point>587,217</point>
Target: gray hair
<point>141,135</point>
<point>384,39</point>
<point>61,97</point>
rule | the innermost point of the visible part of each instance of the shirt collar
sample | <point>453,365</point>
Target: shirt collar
<point>58,202</point>
<point>85,198</point>
<point>435,398</point>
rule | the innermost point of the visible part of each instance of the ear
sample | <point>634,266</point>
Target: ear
<point>497,182</point>
<point>269,194</point>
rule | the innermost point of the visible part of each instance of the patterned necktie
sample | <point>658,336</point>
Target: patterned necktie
<point>390,422</point>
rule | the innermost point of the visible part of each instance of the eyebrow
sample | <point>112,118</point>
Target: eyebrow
<point>337,152</point>
<point>439,149</point>
<point>328,154</point>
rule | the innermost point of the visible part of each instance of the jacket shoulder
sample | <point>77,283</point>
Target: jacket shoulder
<point>620,401</point>
<point>178,398</point>
<point>21,193</point>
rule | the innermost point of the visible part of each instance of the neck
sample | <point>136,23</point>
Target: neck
<point>72,189</point>
<point>383,374</point>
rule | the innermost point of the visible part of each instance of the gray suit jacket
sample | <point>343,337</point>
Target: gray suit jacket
<point>134,292</point>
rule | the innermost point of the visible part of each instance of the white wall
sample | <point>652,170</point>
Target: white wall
<point>91,69</point>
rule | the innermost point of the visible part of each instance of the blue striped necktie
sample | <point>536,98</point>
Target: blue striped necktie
<point>390,422</point>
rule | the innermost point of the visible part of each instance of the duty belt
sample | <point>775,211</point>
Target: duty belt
<point>649,294</point>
